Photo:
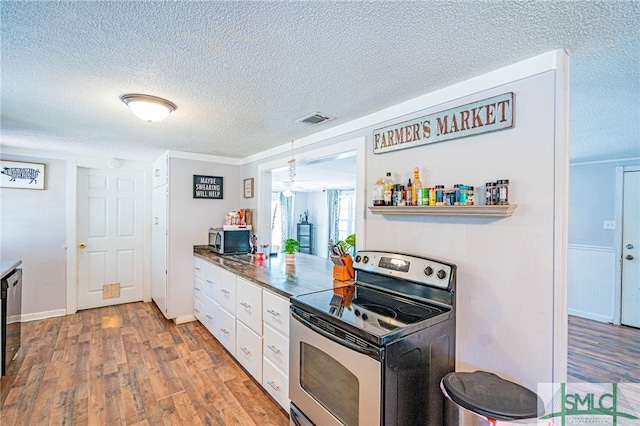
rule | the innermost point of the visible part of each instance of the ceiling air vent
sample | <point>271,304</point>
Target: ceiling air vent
<point>314,119</point>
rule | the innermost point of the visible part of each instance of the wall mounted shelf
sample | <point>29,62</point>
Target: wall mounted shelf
<point>479,211</point>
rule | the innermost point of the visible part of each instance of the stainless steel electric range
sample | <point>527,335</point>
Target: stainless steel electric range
<point>373,353</point>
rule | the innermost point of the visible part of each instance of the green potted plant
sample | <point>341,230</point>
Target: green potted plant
<point>349,244</point>
<point>290,247</point>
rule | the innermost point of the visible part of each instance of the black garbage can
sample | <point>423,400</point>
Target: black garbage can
<point>491,397</point>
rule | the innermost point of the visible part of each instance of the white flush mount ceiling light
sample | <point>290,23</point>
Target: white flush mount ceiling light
<point>147,107</point>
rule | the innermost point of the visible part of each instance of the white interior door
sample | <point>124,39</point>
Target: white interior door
<point>110,237</point>
<point>631,249</point>
<point>159,228</point>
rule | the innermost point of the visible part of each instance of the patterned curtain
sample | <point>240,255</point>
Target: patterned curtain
<point>285,217</point>
<point>333,199</point>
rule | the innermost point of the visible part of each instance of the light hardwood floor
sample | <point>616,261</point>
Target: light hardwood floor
<point>602,353</point>
<point>128,365</point>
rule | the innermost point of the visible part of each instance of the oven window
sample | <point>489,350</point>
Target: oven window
<point>329,383</point>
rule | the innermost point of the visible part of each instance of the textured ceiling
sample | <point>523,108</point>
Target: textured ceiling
<point>241,72</point>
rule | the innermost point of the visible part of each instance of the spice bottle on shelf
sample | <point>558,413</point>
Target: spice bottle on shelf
<point>388,190</point>
<point>417,187</point>
<point>456,200</point>
<point>491,194</point>
<point>410,194</point>
<point>503,192</point>
<point>464,195</point>
<point>471,197</point>
<point>378,193</point>
<point>439,195</point>
<point>432,196</point>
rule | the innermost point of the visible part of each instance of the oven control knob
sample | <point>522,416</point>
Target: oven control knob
<point>442,274</point>
<point>358,258</point>
<point>356,313</point>
<point>365,259</point>
<point>428,271</point>
<point>365,317</point>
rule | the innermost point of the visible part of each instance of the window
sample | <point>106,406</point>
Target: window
<point>347,215</point>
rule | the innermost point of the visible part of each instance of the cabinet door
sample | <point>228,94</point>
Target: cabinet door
<point>227,330</point>
<point>227,293</point>
<point>159,249</point>
<point>198,310</point>
<point>276,383</point>
<point>249,304</point>
<point>249,350</point>
<point>211,317</point>
<point>198,267</point>
<point>211,278</point>
<point>275,311</point>
<point>276,348</point>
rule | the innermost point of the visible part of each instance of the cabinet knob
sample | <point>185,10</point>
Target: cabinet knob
<point>82,246</point>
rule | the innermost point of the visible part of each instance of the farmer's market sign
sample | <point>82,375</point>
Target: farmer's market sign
<point>475,118</point>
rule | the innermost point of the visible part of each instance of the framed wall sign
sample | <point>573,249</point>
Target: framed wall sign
<point>208,187</point>
<point>16,174</point>
<point>248,188</point>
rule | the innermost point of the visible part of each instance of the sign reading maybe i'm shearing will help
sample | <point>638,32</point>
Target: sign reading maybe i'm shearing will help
<point>483,116</point>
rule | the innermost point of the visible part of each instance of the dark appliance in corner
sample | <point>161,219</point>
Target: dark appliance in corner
<point>373,353</point>
<point>11,295</point>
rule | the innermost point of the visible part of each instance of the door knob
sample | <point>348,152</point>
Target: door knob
<point>82,245</point>
<point>629,246</point>
<point>629,257</point>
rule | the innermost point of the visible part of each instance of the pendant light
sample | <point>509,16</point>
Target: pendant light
<point>147,107</point>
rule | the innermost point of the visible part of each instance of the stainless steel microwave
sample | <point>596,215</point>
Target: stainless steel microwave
<point>230,239</point>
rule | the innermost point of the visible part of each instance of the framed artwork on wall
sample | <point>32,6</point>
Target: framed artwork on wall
<point>248,188</point>
<point>17,174</point>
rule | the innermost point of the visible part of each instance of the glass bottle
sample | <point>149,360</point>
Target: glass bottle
<point>439,195</point>
<point>417,186</point>
<point>388,190</point>
<point>471,198</point>
<point>410,194</point>
<point>378,193</point>
<point>503,192</point>
<point>491,194</point>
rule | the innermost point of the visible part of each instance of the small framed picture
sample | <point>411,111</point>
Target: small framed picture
<point>16,174</point>
<point>248,188</point>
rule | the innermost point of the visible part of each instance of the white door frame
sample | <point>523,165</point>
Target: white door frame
<point>72,232</point>
<point>617,240</point>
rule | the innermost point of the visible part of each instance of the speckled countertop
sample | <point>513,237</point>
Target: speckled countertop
<point>309,274</point>
<point>7,266</point>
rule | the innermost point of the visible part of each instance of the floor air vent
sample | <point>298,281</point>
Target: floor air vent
<point>314,119</point>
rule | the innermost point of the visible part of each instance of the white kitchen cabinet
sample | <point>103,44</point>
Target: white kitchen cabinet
<point>211,276</point>
<point>227,331</point>
<point>275,311</point>
<point>227,293</point>
<point>249,304</point>
<point>212,317</point>
<point>160,171</point>
<point>249,350</point>
<point>276,348</point>
<point>159,247</point>
<point>276,384</point>
<point>198,292</point>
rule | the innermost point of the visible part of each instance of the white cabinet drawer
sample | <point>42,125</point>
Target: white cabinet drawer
<point>276,383</point>
<point>211,279</point>
<point>249,304</point>
<point>227,293</point>
<point>227,331</point>
<point>198,267</point>
<point>198,310</point>
<point>276,348</point>
<point>211,316</point>
<point>276,312</point>
<point>198,289</point>
<point>249,350</point>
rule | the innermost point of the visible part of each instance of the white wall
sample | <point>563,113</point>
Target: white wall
<point>33,229</point>
<point>190,220</point>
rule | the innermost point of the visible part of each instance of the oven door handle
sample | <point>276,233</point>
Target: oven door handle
<point>365,351</point>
